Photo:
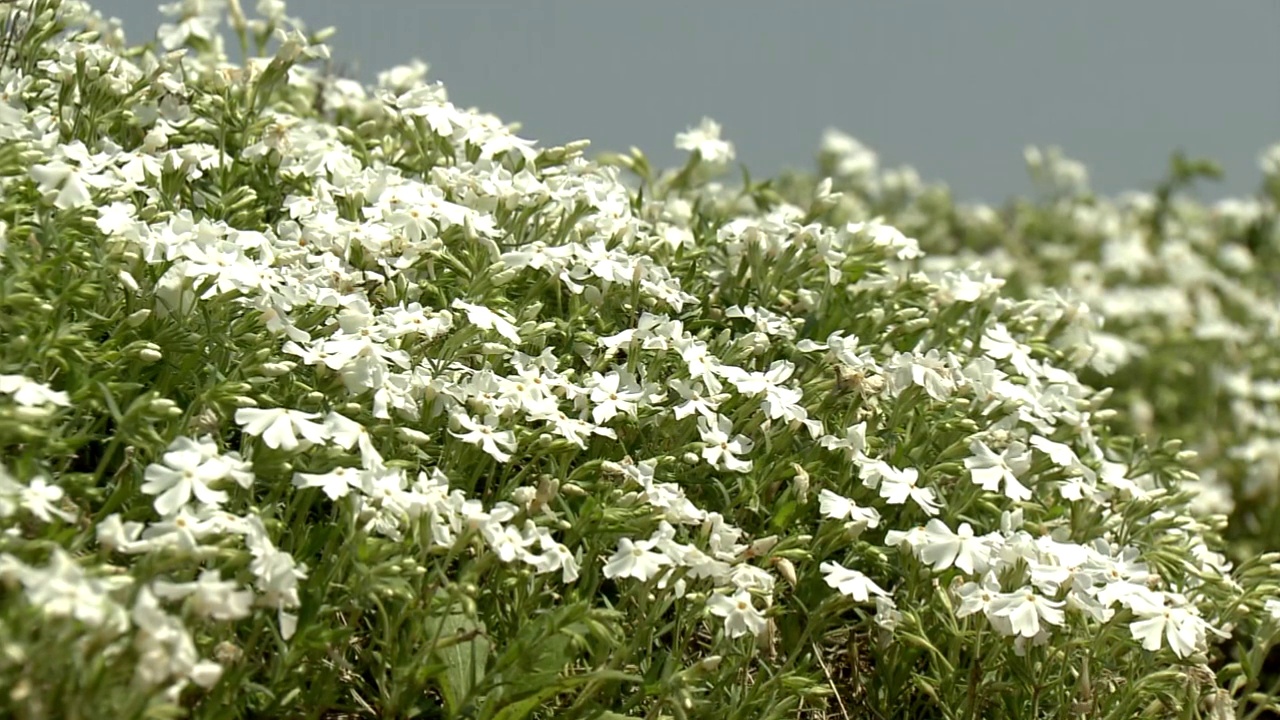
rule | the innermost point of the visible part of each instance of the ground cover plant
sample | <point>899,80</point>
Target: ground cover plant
<point>324,400</point>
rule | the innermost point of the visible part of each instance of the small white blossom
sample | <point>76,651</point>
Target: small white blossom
<point>850,582</point>
<point>498,443</point>
<point>740,615</point>
<point>722,449</point>
<point>635,560</point>
<point>705,140</point>
<point>279,428</point>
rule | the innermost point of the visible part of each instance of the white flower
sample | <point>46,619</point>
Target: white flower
<point>896,486</point>
<point>72,184</point>
<point>336,483</point>
<point>838,507</point>
<point>989,470</point>
<point>887,616</point>
<point>635,560</point>
<point>1025,610</point>
<point>1272,606</point>
<point>40,499</point>
<point>977,597</point>
<point>942,548</point>
<point>611,396</point>
<point>189,468</point>
<point>740,616</point>
<point>912,538</point>
<point>853,443</point>
<point>493,441</point>
<point>1184,631</point>
<point>1062,455</point>
<point>165,648</point>
<point>347,433</point>
<point>486,319</point>
<point>694,400</point>
<point>212,596</point>
<point>998,344</point>
<point>929,371</point>
<point>851,582</point>
<point>30,393</point>
<point>279,427</point>
<point>277,574</point>
<point>554,556</point>
<point>63,589</point>
<point>721,448</point>
<point>705,140</point>
<point>849,156</point>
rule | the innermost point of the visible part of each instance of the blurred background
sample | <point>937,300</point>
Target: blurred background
<point>955,90</point>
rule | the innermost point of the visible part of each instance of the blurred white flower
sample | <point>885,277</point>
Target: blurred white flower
<point>705,140</point>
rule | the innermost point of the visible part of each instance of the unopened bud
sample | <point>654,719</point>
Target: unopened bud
<point>276,369</point>
<point>162,406</point>
<point>137,318</point>
<point>128,281</point>
<point>710,663</point>
<point>414,436</point>
<point>787,569</point>
<point>763,545</point>
<point>801,482</point>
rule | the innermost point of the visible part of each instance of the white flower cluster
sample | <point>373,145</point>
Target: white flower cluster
<point>516,330</point>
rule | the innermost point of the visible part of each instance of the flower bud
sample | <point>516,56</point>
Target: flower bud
<point>414,436</point>
<point>162,406</point>
<point>786,569</point>
<point>127,280</point>
<point>276,369</point>
<point>709,663</point>
<point>801,482</point>
<point>137,318</point>
<point>763,545</point>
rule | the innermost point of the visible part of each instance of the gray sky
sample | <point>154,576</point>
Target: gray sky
<point>954,89</point>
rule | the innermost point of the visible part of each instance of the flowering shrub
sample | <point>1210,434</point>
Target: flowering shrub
<point>1183,292</point>
<point>326,400</point>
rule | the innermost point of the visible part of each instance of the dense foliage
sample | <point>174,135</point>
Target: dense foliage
<point>324,400</point>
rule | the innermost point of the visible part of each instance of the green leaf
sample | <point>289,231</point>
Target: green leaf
<point>520,709</point>
<point>462,646</point>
